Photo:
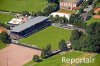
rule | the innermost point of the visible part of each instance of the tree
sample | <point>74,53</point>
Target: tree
<point>90,41</point>
<point>80,11</point>
<point>49,1</point>
<point>43,54</point>
<point>62,45</point>
<point>4,25</point>
<point>46,52</point>
<point>36,58</point>
<point>39,13</point>
<point>89,2</point>
<point>52,19</point>
<point>82,43</point>
<point>33,14</point>
<point>63,20</point>
<point>24,13</point>
<point>77,20</point>
<point>75,36</point>
<point>56,19</point>
<point>57,1</point>
<point>51,8</point>
<point>53,1</point>
<point>93,31</point>
<point>71,18</point>
<point>4,37</point>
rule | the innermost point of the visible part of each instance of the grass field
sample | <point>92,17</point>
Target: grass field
<point>4,18</point>
<point>98,5</point>
<point>96,62</point>
<point>92,20</point>
<point>67,11</point>
<point>57,59</point>
<point>2,45</point>
<point>23,5</point>
<point>51,35</point>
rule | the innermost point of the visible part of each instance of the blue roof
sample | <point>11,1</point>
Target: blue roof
<point>28,24</point>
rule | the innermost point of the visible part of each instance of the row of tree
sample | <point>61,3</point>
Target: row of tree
<point>90,41</point>
<point>74,19</point>
<point>47,52</point>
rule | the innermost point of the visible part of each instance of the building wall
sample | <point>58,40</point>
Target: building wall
<point>79,2</point>
<point>69,5</point>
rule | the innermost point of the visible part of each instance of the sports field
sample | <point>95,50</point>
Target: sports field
<point>16,55</point>
<point>57,59</point>
<point>51,35</point>
<point>23,5</point>
<point>4,18</point>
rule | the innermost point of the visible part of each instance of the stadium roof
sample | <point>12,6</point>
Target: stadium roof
<point>15,21</point>
<point>31,22</point>
<point>70,1</point>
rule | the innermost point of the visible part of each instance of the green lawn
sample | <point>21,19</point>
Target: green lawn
<point>2,45</point>
<point>67,11</point>
<point>96,62</point>
<point>4,18</point>
<point>51,35</point>
<point>23,5</point>
<point>92,20</point>
<point>56,60</point>
<point>98,5</point>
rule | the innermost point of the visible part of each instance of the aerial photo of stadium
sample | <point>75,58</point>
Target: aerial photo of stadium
<point>49,32</point>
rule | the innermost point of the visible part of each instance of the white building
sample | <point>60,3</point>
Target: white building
<point>60,14</point>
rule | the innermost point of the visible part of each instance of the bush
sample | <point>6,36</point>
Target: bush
<point>36,58</point>
<point>62,45</point>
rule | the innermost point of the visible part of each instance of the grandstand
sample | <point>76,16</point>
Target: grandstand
<point>27,28</point>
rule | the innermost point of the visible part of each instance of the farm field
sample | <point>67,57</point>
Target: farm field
<point>51,35</point>
<point>57,59</point>
<point>92,20</point>
<point>23,5</point>
<point>4,18</point>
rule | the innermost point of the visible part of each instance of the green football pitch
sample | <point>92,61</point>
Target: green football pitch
<point>51,35</point>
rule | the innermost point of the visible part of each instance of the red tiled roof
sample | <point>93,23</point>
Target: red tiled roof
<point>96,10</point>
<point>97,16</point>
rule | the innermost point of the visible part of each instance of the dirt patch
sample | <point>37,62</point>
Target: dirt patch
<point>16,55</point>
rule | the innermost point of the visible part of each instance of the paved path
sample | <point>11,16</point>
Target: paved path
<point>16,55</point>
